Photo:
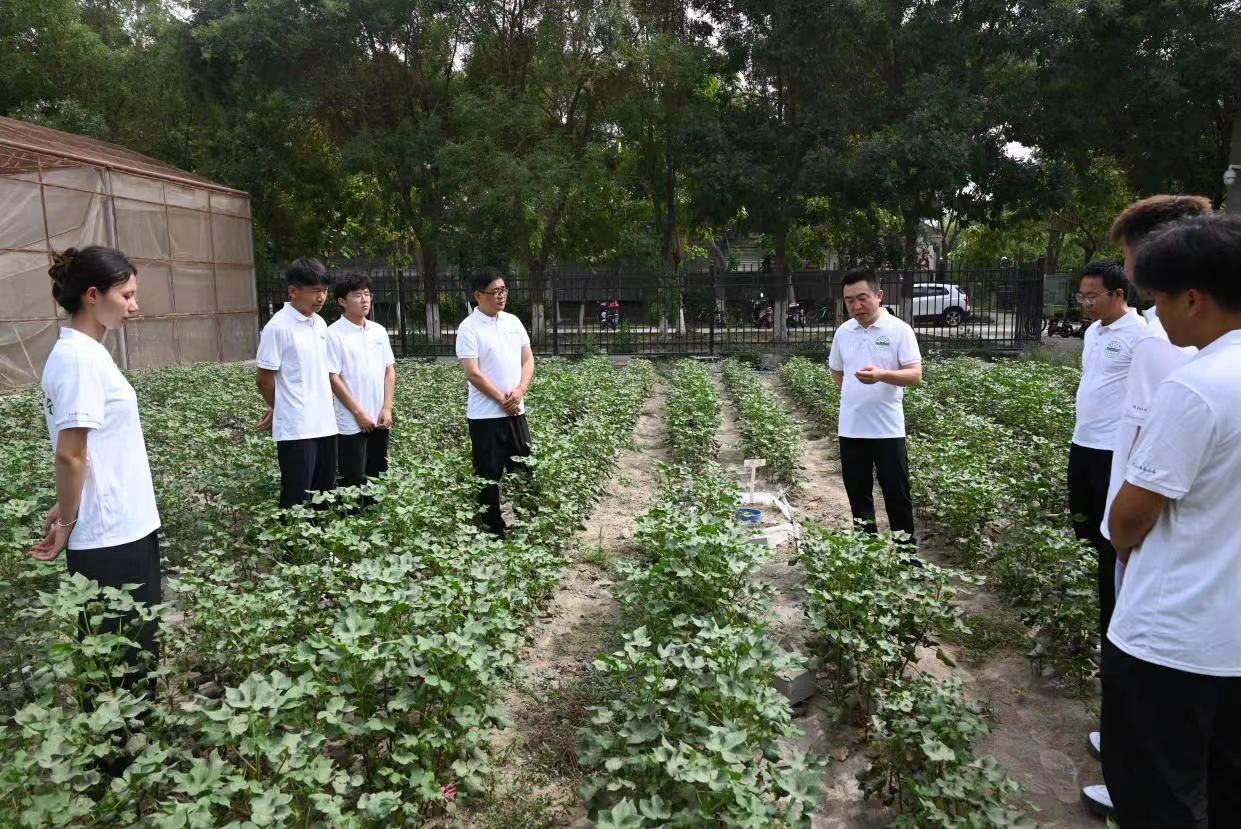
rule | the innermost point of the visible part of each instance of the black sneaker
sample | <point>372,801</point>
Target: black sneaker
<point>1098,801</point>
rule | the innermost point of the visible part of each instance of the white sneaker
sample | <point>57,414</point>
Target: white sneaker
<point>1097,800</point>
<point>1095,743</point>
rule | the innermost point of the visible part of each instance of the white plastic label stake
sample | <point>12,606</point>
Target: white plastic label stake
<point>754,464</point>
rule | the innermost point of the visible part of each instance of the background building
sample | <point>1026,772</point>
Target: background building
<point>190,238</point>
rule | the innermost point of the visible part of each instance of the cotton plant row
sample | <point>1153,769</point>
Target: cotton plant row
<point>692,414</point>
<point>996,491</point>
<point>767,430</point>
<point>697,734</point>
<point>813,388</point>
<point>337,667</point>
<point>873,617</point>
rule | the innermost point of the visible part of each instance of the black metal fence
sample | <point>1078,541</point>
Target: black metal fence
<point>997,311</point>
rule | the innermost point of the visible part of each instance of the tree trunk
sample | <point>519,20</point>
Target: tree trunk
<point>782,298</point>
<point>911,220</point>
<point>538,301</point>
<point>429,258</point>
<point>1051,259</point>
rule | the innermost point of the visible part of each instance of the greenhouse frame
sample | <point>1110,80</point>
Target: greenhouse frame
<point>190,238</point>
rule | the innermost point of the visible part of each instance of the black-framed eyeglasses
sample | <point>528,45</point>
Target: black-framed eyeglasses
<point>496,292</point>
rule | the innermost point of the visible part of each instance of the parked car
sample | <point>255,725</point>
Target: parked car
<point>942,302</point>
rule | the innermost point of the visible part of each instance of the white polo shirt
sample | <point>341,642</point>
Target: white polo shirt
<point>1182,586</point>
<point>1106,357</point>
<point>83,389</point>
<point>295,347</point>
<point>360,354</point>
<point>1154,360</point>
<point>873,411</point>
<point>496,342</point>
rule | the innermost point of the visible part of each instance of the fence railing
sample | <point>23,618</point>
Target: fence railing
<point>996,311</point>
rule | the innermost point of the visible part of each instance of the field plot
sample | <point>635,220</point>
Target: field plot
<point>618,661</point>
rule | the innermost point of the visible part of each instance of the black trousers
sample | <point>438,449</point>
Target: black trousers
<point>361,456</point>
<point>860,459</point>
<point>495,442</point>
<point>1089,473</point>
<point>1173,744</point>
<point>305,466</point>
<point>137,562</point>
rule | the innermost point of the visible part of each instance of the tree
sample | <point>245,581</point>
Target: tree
<point>1150,83</point>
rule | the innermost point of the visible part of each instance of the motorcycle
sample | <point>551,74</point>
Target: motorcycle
<point>796,315</point>
<point>1058,326</point>
<point>609,314</point>
<point>764,314</point>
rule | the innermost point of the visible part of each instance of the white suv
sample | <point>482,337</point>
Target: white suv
<point>942,302</point>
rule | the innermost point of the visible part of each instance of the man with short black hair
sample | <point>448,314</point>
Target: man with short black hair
<point>1172,658</point>
<point>873,357</point>
<point>1154,359</point>
<point>293,379</point>
<point>1106,356</point>
<point>363,375</point>
<point>494,350</point>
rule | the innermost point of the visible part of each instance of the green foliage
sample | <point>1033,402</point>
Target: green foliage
<point>767,431</point>
<point>926,767</point>
<point>320,665</point>
<point>988,445</point>
<point>813,387</point>
<point>871,607</point>
<point>692,414</point>
<point>695,734</point>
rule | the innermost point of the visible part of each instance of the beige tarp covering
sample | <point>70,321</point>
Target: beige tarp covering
<point>190,238</point>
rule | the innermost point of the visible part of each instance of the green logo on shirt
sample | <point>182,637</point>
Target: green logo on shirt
<point>883,341</point>
<point>1112,349</point>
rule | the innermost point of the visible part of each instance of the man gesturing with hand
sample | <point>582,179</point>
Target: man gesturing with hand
<point>874,357</point>
<point>494,350</point>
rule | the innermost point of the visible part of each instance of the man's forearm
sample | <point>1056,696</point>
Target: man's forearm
<point>839,377</point>
<point>1134,513</point>
<point>905,377</point>
<point>341,389</point>
<point>479,381</point>
<point>266,383</point>
<point>389,387</point>
<point>527,373</point>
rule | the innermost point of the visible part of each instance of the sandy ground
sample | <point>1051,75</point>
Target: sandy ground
<point>1038,730</point>
<point>546,703</point>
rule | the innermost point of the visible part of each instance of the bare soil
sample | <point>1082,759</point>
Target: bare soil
<point>538,774</point>
<point>1038,730</point>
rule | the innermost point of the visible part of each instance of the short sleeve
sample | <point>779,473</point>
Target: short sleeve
<point>270,342</point>
<point>389,357</point>
<point>75,396</point>
<point>835,360</point>
<point>1170,455</point>
<point>525,338</point>
<point>1153,360</point>
<point>335,361</point>
<point>467,343</point>
<point>908,353</point>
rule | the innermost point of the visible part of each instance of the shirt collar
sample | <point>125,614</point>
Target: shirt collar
<point>1127,319</point>
<point>296,315</point>
<point>68,333</point>
<point>484,318</point>
<point>365,323</point>
<point>1232,338</point>
<point>1151,314</point>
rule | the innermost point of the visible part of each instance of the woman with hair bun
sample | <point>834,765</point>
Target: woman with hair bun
<point>105,512</point>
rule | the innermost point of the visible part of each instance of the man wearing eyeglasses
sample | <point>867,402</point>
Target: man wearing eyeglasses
<point>1106,357</point>
<point>494,350</point>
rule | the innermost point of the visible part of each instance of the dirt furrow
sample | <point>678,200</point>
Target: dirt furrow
<point>538,775</point>
<point>1038,731</point>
